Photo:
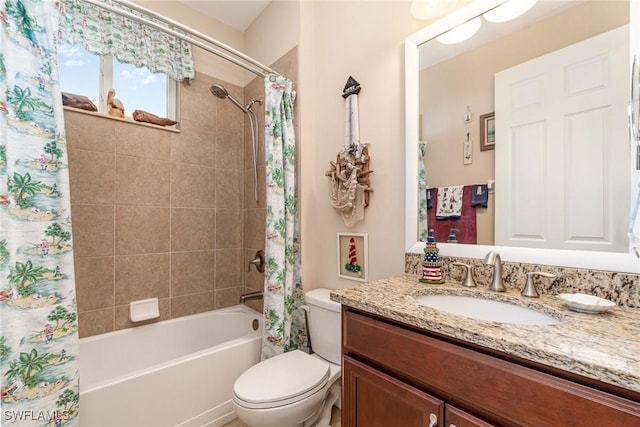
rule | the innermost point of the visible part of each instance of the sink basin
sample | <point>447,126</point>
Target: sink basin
<point>484,309</point>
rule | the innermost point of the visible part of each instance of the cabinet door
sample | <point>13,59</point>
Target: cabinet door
<point>458,418</point>
<point>374,399</point>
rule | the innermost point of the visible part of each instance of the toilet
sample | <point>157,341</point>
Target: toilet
<point>296,389</point>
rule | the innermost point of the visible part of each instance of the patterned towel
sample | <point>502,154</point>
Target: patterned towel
<point>449,204</point>
<point>480,195</point>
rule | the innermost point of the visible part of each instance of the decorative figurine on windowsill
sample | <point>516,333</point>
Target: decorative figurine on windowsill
<point>116,108</point>
<point>144,116</point>
<point>431,264</point>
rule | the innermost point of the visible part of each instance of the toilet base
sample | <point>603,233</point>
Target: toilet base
<point>323,417</point>
<point>314,411</point>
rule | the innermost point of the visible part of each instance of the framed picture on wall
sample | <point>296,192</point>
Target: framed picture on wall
<point>487,132</point>
<point>353,256</point>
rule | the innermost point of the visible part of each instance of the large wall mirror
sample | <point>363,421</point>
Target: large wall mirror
<point>547,94</point>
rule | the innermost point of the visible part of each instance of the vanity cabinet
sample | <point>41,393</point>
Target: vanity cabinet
<point>397,376</point>
<point>377,399</point>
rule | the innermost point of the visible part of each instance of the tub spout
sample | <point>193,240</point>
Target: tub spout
<point>250,296</point>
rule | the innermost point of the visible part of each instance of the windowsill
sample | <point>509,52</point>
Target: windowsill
<point>125,120</point>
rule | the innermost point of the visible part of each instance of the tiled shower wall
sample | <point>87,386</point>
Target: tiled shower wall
<point>164,214</point>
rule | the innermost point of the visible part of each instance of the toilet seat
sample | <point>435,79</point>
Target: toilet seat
<point>281,380</point>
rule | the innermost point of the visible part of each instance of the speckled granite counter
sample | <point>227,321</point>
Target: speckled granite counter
<point>602,346</point>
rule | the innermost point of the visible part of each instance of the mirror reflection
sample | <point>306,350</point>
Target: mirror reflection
<point>527,119</point>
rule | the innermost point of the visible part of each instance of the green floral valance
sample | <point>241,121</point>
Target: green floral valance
<point>103,32</point>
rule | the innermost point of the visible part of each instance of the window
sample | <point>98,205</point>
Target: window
<point>84,73</point>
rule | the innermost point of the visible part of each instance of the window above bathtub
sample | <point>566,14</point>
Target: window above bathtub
<point>90,75</point>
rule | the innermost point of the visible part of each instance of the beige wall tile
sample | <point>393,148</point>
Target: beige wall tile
<point>249,197</point>
<point>230,150</point>
<point>88,133</point>
<point>254,228</point>
<point>248,142</point>
<point>94,283</point>
<point>92,177</point>
<point>143,141</point>
<point>228,297</point>
<point>230,264</point>
<point>229,116</point>
<point>95,322</point>
<point>192,272</point>
<point>93,230</point>
<point>122,315</point>
<point>142,182</point>
<point>141,277</point>
<point>257,305</point>
<point>192,186</point>
<point>194,145</point>
<point>229,189</point>
<point>191,304</point>
<point>141,230</point>
<point>228,228</point>
<point>197,103</point>
<point>192,229</point>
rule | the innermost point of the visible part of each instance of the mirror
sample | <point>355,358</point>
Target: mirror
<point>423,41</point>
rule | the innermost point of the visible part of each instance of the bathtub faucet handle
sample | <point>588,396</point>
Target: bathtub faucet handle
<point>258,261</point>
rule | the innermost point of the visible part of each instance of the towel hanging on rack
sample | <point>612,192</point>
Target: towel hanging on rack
<point>449,203</point>
<point>480,195</point>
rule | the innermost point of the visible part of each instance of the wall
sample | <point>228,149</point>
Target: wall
<point>157,213</point>
<point>364,40</point>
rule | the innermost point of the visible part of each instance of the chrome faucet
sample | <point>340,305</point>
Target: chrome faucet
<point>493,258</point>
<point>250,296</point>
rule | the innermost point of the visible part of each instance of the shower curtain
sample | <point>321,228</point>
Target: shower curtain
<point>284,325</point>
<point>38,328</point>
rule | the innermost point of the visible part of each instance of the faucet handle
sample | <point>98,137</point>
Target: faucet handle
<point>529,289</point>
<point>467,279</point>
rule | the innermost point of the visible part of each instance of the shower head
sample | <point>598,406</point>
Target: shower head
<point>219,91</point>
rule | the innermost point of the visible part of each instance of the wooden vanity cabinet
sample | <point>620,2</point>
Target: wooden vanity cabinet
<point>395,376</point>
<point>377,399</point>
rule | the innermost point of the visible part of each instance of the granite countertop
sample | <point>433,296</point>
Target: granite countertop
<point>604,346</point>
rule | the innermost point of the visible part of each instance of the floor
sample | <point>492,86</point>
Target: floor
<point>335,420</point>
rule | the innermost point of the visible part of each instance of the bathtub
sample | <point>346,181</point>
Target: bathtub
<point>178,372</point>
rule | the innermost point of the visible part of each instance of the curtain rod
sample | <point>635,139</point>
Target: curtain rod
<point>254,66</point>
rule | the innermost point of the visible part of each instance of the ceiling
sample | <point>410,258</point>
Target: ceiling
<point>238,14</point>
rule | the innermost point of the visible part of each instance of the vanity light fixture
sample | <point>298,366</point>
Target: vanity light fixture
<point>509,10</point>
<point>460,33</point>
<point>430,9</point>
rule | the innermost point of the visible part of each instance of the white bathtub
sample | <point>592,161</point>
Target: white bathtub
<point>178,372</point>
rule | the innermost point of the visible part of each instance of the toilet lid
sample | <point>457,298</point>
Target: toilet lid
<point>281,380</point>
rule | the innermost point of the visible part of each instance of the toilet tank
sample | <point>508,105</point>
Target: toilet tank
<point>324,324</point>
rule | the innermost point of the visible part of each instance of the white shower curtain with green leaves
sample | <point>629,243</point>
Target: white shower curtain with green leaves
<point>284,326</point>
<point>38,316</point>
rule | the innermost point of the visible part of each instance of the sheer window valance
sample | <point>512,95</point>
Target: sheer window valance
<point>103,32</point>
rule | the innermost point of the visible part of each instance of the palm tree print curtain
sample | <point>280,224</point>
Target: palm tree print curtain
<point>423,213</point>
<point>284,326</point>
<point>38,327</point>
<point>103,32</point>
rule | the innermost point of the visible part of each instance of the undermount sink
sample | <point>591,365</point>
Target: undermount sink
<point>484,309</point>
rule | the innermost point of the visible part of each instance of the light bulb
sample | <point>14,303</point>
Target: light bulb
<point>509,10</point>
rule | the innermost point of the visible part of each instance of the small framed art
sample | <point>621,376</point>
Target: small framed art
<point>487,132</point>
<point>353,256</point>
